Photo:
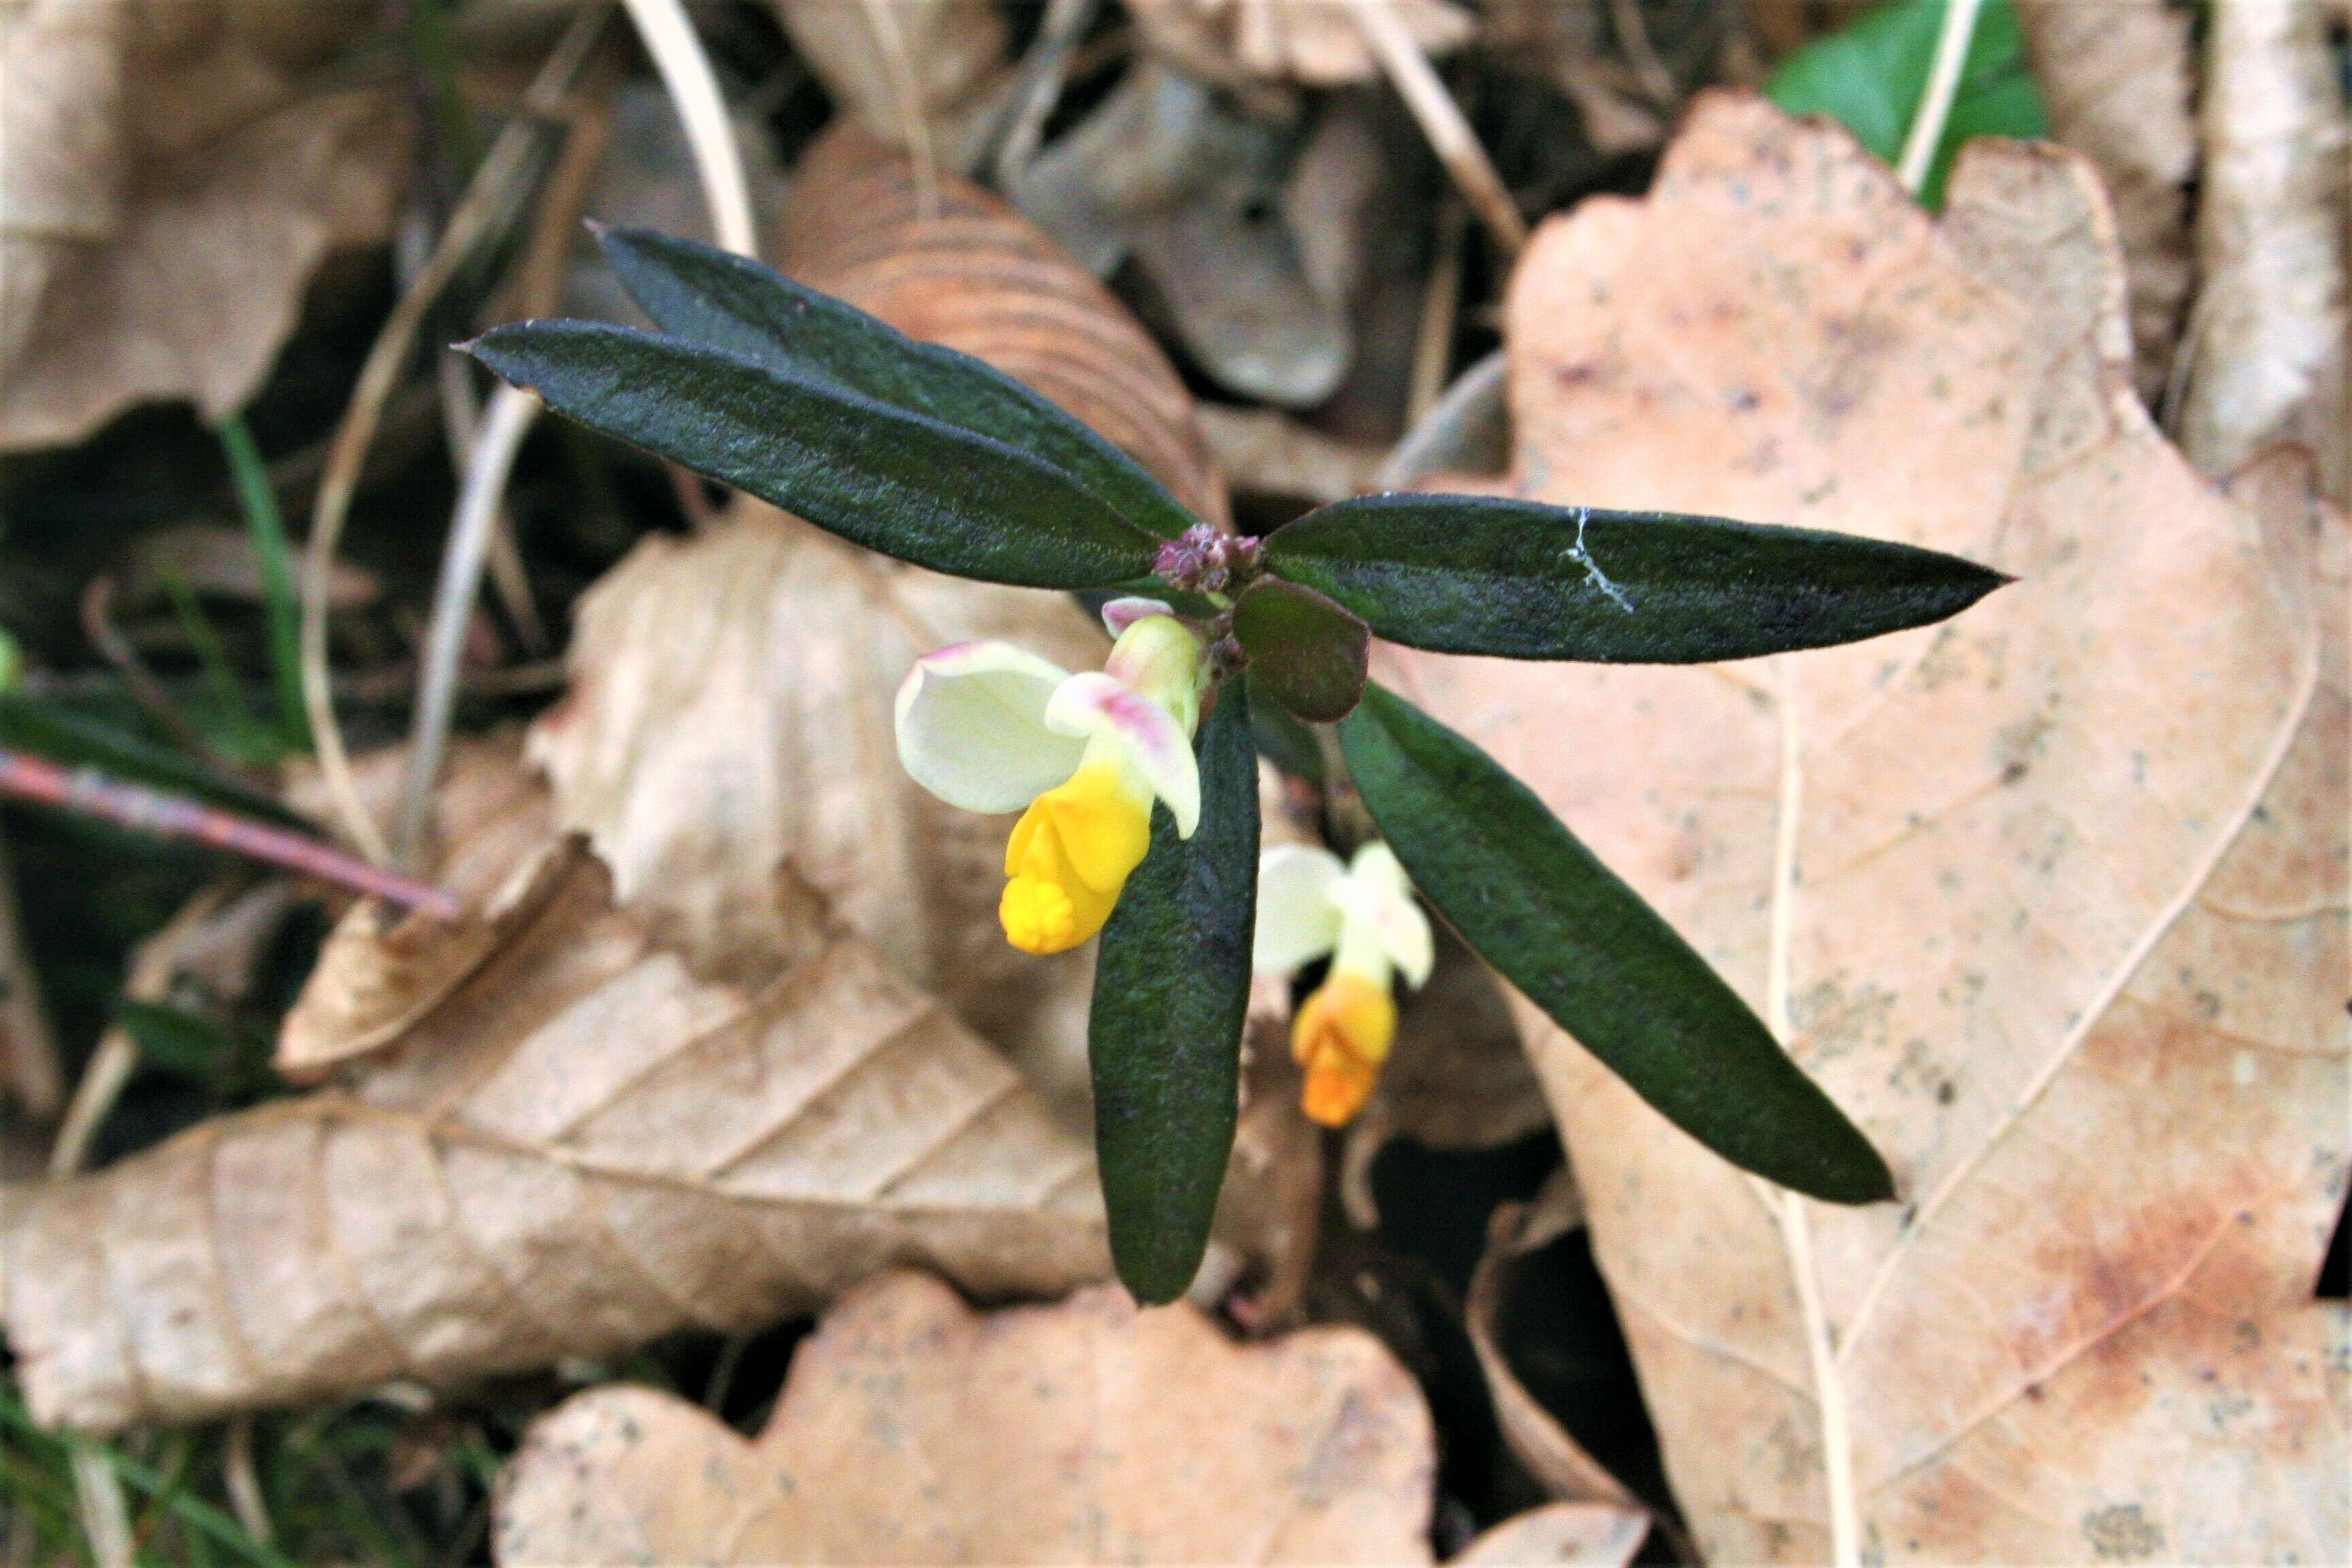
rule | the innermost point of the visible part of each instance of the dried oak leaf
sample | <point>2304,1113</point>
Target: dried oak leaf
<point>581,1147</point>
<point>912,1429</point>
<point>2052,898</point>
<point>175,170</point>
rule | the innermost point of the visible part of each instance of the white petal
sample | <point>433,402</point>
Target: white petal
<point>1378,895</point>
<point>972,731</point>
<point>1120,614</point>
<point>1296,920</point>
<point>1145,735</point>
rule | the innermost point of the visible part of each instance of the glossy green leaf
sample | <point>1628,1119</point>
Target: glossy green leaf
<point>1521,580</point>
<point>1583,946</point>
<point>887,478</point>
<point>1306,652</point>
<point>1172,986</point>
<point>726,301</point>
<point>1871,76</point>
<point>1281,739</point>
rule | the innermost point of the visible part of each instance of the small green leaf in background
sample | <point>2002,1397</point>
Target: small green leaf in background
<point>1871,77</point>
<point>259,501</point>
<point>1583,946</point>
<point>1517,579</point>
<point>1171,988</point>
<point>1308,653</point>
<point>49,728</point>
<point>12,662</point>
<point>726,301</point>
<point>887,478</point>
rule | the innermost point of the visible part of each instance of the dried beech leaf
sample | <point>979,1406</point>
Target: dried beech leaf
<point>2116,80</point>
<point>2050,898</point>
<point>582,1147</point>
<point>731,712</point>
<point>912,1429</point>
<point>908,70</point>
<point>1313,42</point>
<point>172,179</point>
<point>981,278</point>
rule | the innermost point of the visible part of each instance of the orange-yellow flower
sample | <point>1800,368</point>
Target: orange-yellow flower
<point>1363,915</point>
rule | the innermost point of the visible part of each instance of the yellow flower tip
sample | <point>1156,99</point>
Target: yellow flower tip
<point>1341,1035</point>
<point>1068,857</point>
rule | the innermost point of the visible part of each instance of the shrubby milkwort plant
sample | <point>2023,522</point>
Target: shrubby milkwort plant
<point>1137,784</point>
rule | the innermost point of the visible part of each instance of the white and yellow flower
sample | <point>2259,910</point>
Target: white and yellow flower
<point>1363,915</point>
<point>993,727</point>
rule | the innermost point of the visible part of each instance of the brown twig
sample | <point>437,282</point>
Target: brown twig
<point>1450,136</point>
<point>97,625</point>
<point>144,810</point>
<point>29,1048</point>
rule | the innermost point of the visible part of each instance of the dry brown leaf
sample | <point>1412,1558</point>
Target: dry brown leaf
<point>913,72</point>
<point>2051,898</point>
<point>1577,1534</point>
<point>2116,80</point>
<point>1316,43</point>
<point>981,278</point>
<point>174,177</point>
<point>582,1147</point>
<point>912,1429</point>
<point>2268,330</point>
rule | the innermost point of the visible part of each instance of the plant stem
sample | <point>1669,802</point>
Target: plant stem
<point>1943,84</point>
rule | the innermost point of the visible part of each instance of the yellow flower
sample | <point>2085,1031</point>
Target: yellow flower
<point>991,728</point>
<point>1308,904</point>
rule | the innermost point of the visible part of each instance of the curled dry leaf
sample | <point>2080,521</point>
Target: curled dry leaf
<point>2268,333</point>
<point>581,1147</point>
<point>981,278</point>
<point>1569,1535</point>
<point>381,970</point>
<point>912,1429</point>
<point>2117,81</point>
<point>2051,898</point>
<point>1244,43</point>
<point>175,171</point>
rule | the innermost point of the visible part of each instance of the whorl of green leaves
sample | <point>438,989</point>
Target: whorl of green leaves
<point>924,453</point>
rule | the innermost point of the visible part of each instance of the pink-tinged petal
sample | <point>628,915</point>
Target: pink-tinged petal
<point>1296,920</point>
<point>1378,896</point>
<point>1145,738</point>
<point>1121,614</point>
<point>971,726</point>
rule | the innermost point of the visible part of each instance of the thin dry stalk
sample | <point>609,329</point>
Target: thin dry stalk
<point>1440,118</point>
<point>1440,301</point>
<point>496,187</point>
<point>1935,110</point>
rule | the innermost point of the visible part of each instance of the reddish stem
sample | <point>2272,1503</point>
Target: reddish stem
<point>145,810</point>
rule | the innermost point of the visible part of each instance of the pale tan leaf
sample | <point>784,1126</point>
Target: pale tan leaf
<point>581,1147</point>
<point>912,1429</point>
<point>911,71</point>
<point>2269,325</point>
<point>175,173</point>
<point>2050,898</point>
<point>1581,1534</point>
<point>1245,42</point>
<point>2117,81</point>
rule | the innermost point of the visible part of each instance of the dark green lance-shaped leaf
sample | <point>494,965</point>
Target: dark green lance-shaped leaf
<point>1306,652</point>
<point>880,476</point>
<point>1583,946</point>
<point>727,301</point>
<point>1171,985</point>
<point>1521,580</point>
